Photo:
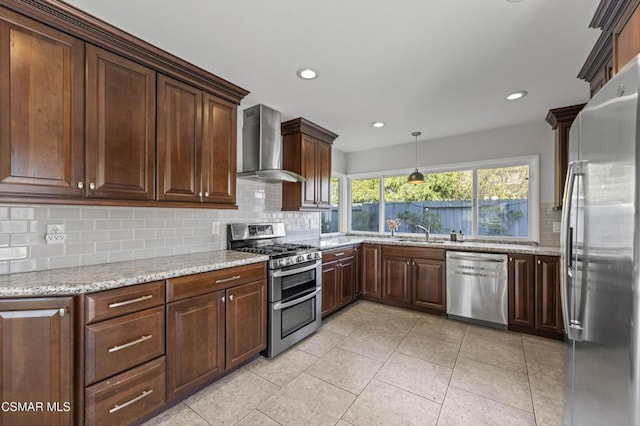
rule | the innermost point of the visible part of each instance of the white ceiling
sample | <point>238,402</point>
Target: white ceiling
<point>442,67</point>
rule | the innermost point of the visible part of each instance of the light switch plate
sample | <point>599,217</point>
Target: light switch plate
<point>215,228</point>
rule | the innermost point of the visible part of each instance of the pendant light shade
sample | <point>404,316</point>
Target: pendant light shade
<point>416,177</point>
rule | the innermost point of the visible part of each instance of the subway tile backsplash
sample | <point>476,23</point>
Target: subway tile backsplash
<point>548,215</point>
<point>112,234</point>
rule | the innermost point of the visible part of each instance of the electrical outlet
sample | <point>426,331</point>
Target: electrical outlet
<point>55,234</point>
<point>55,238</point>
<point>215,228</point>
<point>556,226</point>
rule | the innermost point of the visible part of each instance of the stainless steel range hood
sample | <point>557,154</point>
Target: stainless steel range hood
<point>262,147</point>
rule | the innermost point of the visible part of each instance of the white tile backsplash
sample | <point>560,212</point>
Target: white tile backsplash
<point>111,234</point>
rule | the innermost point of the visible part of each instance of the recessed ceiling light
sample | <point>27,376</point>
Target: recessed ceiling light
<point>377,124</point>
<point>517,95</point>
<point>307,73</point>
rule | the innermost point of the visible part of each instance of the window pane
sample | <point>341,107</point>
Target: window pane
<point>503,201</point>
<point>330,219</point>
<point>441,204</point>
<point>365,198</point>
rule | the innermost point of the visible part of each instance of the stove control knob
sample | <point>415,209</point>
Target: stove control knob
<point>311,256</point>
<point>300,259</point>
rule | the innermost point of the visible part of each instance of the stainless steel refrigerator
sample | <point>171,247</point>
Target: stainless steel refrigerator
<point>599,240</point>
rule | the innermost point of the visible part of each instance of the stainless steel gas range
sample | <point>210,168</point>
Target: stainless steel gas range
<point>294,286</point>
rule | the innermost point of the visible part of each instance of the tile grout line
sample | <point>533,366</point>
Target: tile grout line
<point>526,366</point>
<point>197,414</point>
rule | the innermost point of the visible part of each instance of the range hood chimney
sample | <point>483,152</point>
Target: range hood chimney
<point>262,147</point>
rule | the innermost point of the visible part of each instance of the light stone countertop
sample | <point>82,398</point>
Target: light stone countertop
<point>478,246</point>
<point>87,279</point>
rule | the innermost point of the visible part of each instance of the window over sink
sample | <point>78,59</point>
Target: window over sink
<point>495,199</point>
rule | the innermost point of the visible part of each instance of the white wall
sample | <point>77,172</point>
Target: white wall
<point>513,141</point>
<point>338,161</point>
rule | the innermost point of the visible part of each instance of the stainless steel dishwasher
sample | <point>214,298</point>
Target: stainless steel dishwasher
<point>477,287</point>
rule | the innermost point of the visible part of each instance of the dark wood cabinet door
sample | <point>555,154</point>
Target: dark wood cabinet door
<point>346,282</point>
<point>179,127</point>
<point>548,304</point>
<point>396,279</point>
<point>330,278</point>
<point>195,342</point>
<point>36,350</point>
<point>121,127</point>
<point>218,150</point>
<point>371,270</point>
<point>41,109</point>
<point>521,291</point>
<point>246,322</point>
<point>309,171</point>
<point>429,284</point>
<point>323,175</point>
<point>357,271</point>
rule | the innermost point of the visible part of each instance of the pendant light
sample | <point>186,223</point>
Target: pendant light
<point>416,177</point>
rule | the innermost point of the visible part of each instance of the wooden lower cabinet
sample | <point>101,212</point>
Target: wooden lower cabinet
<point>338,279</point>
<point>128,397</point>
<point>548,303</point>
<point>414,278</point>
<point>521,291</point>
<point>246,324</point>
<point>396,279</point>
<point>218,322</point>
<point>371,272</point>
<point>429,277</point>
<point>534,295</point>
<point>36,347</point>
<point>357,271</point>
<point>195,342</point>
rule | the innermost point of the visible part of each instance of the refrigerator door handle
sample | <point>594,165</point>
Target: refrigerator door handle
<point>571,326</point>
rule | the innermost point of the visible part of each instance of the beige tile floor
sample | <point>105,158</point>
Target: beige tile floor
<point>372,364</point>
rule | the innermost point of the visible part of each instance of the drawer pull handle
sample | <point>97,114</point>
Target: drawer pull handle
<point>127,345</point>
<point>226,280</point>
<point>339,254</point>
<point>131,401</point>
<point>128,302</point>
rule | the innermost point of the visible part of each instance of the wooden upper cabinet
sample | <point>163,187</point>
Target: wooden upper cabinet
<point>307,151</point>
<point>121,129</point>
<point>219,150</point>
<point>41,109</point>
<point>560,120</point>
<point>36,350</point>
<point>179,140</point>
<point>196,145</point>
<point>627,40</point>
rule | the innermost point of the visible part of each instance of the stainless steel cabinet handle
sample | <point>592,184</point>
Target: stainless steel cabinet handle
<point>92,186</point>
<point>538,262</point>
<point>223,299</point>
<point>200,194</point>
<point>408,262</point>
<point>206,194</point>
<point>62,312</point>
<point>231,298</point>
<point>129,302</point>
<point>339,254</point>
<point>226,280</point>
<point>127,345</point>
<point>131,401</point>
<point>80,185</point>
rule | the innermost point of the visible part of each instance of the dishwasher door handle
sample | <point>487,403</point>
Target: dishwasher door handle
<point>477,259</point>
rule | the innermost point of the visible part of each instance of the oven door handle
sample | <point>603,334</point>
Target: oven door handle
<point>278,306</point>
<point>278,274</point>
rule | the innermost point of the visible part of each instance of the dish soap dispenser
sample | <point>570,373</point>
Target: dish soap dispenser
<point>460,236</point>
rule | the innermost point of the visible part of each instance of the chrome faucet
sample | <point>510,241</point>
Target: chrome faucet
<point>426,231</point>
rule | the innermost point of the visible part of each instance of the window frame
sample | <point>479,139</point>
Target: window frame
<point>533,161</point>
<point>342,203</point>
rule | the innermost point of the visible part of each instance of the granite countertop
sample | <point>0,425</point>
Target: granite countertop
<point>87,279</point>
<point>489,247</point>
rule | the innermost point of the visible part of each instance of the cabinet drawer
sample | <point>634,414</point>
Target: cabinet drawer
<point>414,252</point>
<point>128,397</point>
<point>335,254</point>
<point>118,344</point>
<point>193,285</point>
<point>113,303</point>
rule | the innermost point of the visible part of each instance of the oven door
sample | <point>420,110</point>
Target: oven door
<point>292,321</point>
